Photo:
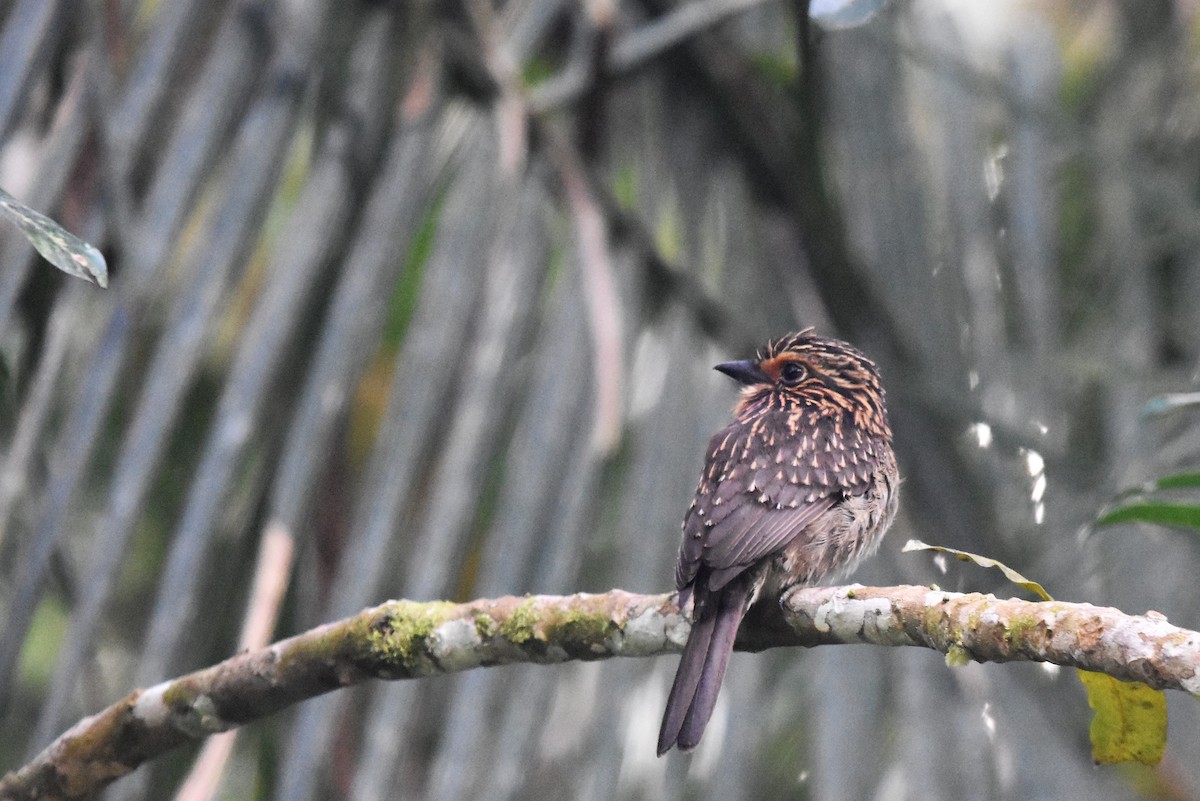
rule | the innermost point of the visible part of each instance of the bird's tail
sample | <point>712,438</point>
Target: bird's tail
<point>698,679</point>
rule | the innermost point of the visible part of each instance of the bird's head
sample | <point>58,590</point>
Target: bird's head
<point>805,373</point>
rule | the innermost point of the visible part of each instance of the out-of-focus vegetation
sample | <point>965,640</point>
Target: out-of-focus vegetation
<point>433,290</point>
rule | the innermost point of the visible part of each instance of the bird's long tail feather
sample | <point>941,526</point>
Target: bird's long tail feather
<point>698,679</point>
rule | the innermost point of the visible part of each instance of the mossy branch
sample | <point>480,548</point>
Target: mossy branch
<point>408,640</point>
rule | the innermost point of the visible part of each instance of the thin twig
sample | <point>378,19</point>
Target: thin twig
<point>638,48</point>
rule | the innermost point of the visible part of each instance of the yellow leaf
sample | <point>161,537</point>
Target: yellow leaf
<point>982,561</point>
<point>1129,721</point>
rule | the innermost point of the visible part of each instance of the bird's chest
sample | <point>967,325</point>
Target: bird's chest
<point>840,537</point>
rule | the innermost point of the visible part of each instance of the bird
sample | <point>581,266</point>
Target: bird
<point>800,486</point>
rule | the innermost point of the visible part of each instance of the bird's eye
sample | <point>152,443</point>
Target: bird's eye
<point>792,373</point>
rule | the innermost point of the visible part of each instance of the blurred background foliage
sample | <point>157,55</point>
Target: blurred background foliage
<point>427,295</point>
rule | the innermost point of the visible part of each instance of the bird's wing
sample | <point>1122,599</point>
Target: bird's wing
<point>761,487</point>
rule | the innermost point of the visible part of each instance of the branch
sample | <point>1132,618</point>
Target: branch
<point>409,640</point>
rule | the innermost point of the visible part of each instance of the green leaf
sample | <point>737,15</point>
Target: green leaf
<point>1130,720</point>
<point>1178,481</point>
<point>1177,515</point>
<point>59,246</point>
<point>982,561</point>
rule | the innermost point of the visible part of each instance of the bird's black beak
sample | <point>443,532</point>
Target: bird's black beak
<point>744,372</point>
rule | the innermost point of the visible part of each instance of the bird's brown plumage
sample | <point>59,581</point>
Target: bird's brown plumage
<point>801,484</point>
